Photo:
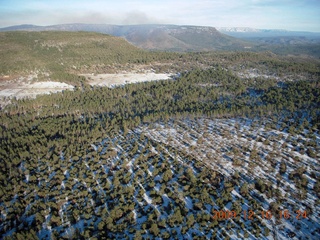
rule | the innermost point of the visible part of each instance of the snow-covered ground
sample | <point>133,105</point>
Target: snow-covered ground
<point>25,87</point>
<point>30,87</point>
<point>111,80</point>
<point>170,172</point>
<point>222,142</point>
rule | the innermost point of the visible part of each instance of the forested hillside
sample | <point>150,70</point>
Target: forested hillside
<point>227,149</point>
<point>60,54</point>
<point>63,55</point>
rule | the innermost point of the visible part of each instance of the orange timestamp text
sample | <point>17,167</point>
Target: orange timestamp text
<point>264,214</point>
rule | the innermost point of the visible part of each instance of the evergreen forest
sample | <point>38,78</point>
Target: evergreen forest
<point>171,159</point>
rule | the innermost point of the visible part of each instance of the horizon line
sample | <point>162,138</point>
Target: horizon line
<point>163,24</point>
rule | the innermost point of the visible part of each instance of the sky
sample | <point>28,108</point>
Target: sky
<point>294,15</point>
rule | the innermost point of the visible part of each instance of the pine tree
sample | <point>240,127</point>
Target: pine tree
<point>154,229</point>
<point>283,168</point>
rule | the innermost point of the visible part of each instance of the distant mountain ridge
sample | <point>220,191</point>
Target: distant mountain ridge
<point>247,29</point>
<point>180,38</point>
<point>245,32</point>
<point>153,36</point>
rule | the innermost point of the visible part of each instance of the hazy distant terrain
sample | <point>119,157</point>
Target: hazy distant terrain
<point>267,33</point>
<point>279,41</point>
<point>177,38</point>
<point>155,37</point>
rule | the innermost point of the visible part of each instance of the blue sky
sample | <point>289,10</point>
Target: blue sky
<point>303,15</point>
